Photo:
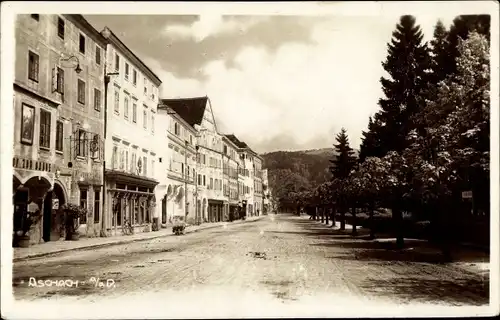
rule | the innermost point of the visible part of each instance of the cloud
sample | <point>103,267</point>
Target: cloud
<point>210,25</point>
<point>301,94</point>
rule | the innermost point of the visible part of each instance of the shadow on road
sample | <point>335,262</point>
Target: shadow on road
<point>415,290</point>
<point>383,247</point>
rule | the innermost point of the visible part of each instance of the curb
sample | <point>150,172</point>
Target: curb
<point>102,245</point>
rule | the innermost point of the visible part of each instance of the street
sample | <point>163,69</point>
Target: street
<point>286,257</point>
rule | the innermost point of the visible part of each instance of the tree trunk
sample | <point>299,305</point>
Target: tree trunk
<point>322,215</point>
<point>354,222</point>
<point>398,219</point>
<point>372,222</point>
<point>342,218</point>
<point>327,213</point>
<point>334,212</point>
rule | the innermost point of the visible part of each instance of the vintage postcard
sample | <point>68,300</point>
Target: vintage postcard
<point>249,160</point>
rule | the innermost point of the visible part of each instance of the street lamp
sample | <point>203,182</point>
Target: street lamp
<point>73,59</point>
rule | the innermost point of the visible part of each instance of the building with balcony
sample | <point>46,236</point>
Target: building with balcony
<point>245,176</point>
<point>230,172</point>
<point>58,123</point>
<point>257,183</point>
<point>131,149</point>
<point>210,199</point>
<point>178,168</point>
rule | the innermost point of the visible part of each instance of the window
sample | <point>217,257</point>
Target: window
<point>83,204</point>
<point>190,139</point>
<point>98,55</point>
<point>122,159</point>
<point>199,179</point>
<point>145,86</point>
<point>60,81</point>
<point>145,119</point>
<point>152,168</point>
<point>134,112</point>
<point>134,77</point>
<point>117,63</point>
<point>152,122</point>
<point>176,128</point>
<point>133,163</point>
<point>126,70</point>
<point>182,168</point>
<point>33,66</point>
<point>97,201</point>
<point>82,43</point>
<point>204,180</point>
<point>35,17</point>
<point>44,128</point>
<point>225,149</point>
<point>97,99</point>
<point>145,164</point>
<point>125,165</point>
<point>125,106</point>
<point>117,100</point>
<point>60,27</point>
<point>81,91</point>
<point>115,157</point>
<point>82,143</point>
<point>211,186</point>
<point>59,135</point>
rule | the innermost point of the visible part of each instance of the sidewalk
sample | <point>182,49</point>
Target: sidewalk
<point>465,257</point>
<point>53,247</point>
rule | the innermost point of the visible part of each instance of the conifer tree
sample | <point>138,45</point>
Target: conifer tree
<point>345,159</point>
<point>407,61</point>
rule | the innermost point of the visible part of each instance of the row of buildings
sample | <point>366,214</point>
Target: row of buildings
<point>90,128</point>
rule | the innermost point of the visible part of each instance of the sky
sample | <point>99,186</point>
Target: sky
<point>278,82</point>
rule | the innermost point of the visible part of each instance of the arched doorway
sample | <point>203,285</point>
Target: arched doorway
<point>52,217</point>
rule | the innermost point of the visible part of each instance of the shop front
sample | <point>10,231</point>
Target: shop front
<point>215,210</point>
<point>131,203</point>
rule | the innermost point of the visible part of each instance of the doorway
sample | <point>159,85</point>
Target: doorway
<point>47,217</point>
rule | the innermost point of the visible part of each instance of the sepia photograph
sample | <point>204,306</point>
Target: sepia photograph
<point>249,160</point>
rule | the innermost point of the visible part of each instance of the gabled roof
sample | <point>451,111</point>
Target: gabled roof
<point>236,141</point>
<point>189,109</point>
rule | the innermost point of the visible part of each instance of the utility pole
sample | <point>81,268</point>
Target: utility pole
<point>107,77</point>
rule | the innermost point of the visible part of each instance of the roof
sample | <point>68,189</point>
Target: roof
<point>190,110</point>
<point>236,141</point>
<point>84,24</point>
<point>108,34</point>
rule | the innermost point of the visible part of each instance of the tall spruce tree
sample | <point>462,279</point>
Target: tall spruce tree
<point>370,145</point>
<point>344,160</point>
<point>407,61</point>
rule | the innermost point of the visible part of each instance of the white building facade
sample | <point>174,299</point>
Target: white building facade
<point>131,151</point>
<point>178,170</point>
